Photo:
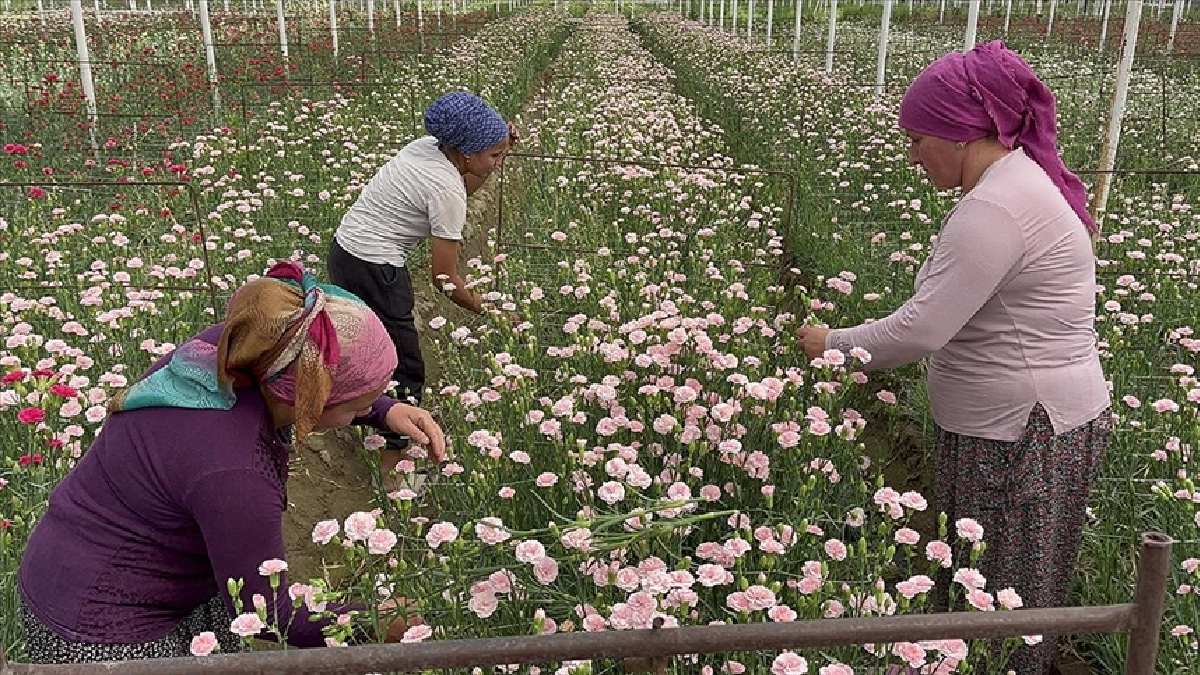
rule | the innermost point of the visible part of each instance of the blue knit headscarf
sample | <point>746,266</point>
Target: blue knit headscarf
<point>463,121</point>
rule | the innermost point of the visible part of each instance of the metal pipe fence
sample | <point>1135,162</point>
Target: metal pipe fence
<point>651,650</point>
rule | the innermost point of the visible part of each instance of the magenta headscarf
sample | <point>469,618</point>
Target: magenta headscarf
<point>991,91</point>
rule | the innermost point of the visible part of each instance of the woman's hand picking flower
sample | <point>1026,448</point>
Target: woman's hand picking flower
<point>813,340</point>
<point>420,426</point>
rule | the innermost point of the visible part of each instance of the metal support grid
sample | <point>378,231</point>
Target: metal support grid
<point>250,98</point>
<point>554,81</point>
<point>175,115</point>
<point>504,245</point>
<point>294,23</point>
<point>166,69</point>
<point>655,648</point>
<point>363,57</point>
<point>854,225</point>
<point>209,287</point>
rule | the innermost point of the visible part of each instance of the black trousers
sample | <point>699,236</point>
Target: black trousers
<point>387,290</point>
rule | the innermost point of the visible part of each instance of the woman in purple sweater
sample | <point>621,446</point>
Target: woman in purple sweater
<point>1004,308</point>
<point>184,487</point>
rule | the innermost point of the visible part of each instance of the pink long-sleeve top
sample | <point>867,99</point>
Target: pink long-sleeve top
<point>1004,307</point>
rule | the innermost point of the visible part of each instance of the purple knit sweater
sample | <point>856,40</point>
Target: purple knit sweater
<point>165,506</point>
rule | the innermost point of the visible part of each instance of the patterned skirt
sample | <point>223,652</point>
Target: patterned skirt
<point>43,645</point>
<point>1030,496</point>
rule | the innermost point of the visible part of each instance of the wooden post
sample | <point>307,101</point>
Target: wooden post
<point>1154,569</point>
<point>831,38</point>
<point>210,57</point>
<point>885,26</point>
<point>283,39</point>
<point>85,70</point>
<point>333,26</point>
<point>1175,14</point>
<point>972,25</point>
<point>796,29</point>
<point>770,20</point>
<point>1108,151</point>
<point>1104,24</point>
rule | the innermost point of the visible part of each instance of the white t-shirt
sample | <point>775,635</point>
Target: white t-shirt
<point>417,194</point>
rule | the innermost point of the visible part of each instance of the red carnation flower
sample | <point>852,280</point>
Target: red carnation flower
<point>31,415</point>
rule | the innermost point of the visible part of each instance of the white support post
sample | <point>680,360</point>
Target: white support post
<point>1108,152</point>
<point>750,22</point>
<point>371,18</point>
<point>1104,24</point>
<point>972,25</point>
<point>770,21</point>
<point>941,11</point>
<point>226,6</point>
<point>396,11</point>
<point>796,32</point>
<point>1008,14</point>
<point>831,38</point>
<point>885,29</point>
<point>735,18</point>
<point>1174,25</point>
<point>1050,20</point>
<point>333,26</point>
<point>41,16</point>
<point>96,8</point>
<point>85,70</point>
<point>283,39</point>
<point>421,13</point>
<point>210,57</point>
<point>721,23</point>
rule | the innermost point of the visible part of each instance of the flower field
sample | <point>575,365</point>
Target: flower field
<point>636,436</point>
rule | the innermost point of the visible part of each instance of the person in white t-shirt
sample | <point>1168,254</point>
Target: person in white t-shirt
<point>419,194</point>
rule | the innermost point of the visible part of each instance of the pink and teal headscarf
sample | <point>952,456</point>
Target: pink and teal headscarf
<point>991,91</point>
<point>311,345</point>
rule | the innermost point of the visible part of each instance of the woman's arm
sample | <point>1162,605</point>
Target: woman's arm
<point>444,267</point>
<point>977,249</point>
<point>240,514</point>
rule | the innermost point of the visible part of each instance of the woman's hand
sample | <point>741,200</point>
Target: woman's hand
<point>418,425</point>
<point>514,137</point>
<point>813,340</point>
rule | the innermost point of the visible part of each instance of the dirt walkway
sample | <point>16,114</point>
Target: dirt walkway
<point>328,477</point>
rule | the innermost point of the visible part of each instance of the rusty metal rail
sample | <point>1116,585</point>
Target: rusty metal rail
<point>651,649</point>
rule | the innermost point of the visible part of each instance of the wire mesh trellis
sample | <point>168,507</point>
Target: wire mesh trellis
<point>31,191</point>
<point>516,234</point>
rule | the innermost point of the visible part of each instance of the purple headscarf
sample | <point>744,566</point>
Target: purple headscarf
<point>991,91</point>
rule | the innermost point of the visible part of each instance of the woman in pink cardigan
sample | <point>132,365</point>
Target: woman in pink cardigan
<point>1004,309</point>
